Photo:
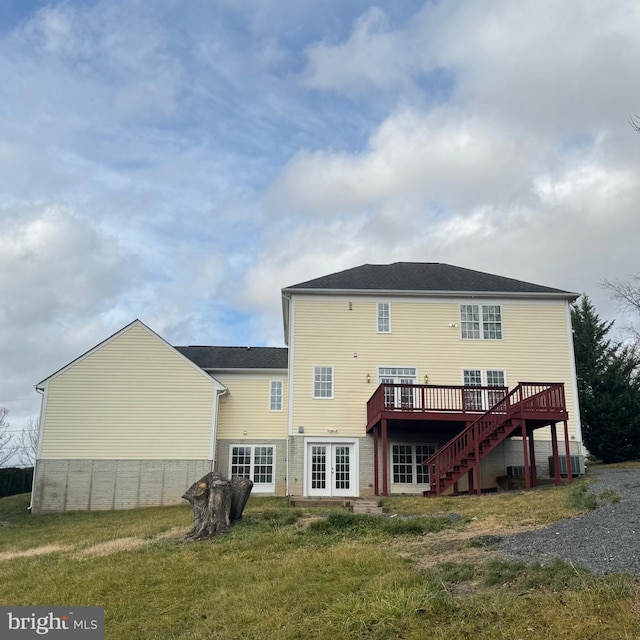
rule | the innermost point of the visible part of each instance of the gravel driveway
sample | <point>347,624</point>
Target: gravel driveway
<point>606,540</point>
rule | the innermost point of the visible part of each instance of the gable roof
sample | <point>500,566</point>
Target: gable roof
<point>424,277</point>
<point>237,357</point>
<point>115,336</point>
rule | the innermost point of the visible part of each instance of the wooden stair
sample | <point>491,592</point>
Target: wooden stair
<point>464,452</point>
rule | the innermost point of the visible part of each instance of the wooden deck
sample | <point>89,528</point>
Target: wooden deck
<point>485,417</point>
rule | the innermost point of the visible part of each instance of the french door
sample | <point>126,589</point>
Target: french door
<point>331,469</point>
<point>398,397</point>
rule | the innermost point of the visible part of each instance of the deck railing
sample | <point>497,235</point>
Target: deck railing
<point>432,398</point>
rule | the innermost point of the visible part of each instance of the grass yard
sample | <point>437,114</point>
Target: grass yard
<point>288,573</point>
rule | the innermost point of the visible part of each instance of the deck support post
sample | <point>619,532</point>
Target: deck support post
<point>376,480</point>
<point>554,452</point>
<point>470,481</point>
<point>477,464</point>
<point>455,488</point>
<point>385,460</point>
<point>567,449</point>
<point>532,458</point>
<point>525,451</point>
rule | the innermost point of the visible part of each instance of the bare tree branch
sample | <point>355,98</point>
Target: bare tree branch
<point>634,121</point>
<point>27,445</point>
<point>625,292</point>
<point>7,446</point>
<point>627,295</point>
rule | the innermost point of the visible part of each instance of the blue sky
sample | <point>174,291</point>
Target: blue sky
<point>181,162</point>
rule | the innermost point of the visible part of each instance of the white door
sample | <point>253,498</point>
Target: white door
<point>331,470</point>
<point>398,397</point>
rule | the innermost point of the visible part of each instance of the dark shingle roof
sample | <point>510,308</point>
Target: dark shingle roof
<point>424,276</point>
<point>237,357</point>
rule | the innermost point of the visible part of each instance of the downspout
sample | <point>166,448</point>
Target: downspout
<point>214,424</point>
<point>42,392</point>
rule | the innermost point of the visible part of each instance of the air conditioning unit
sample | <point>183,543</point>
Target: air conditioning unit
<point>577,465</point>
<point>517,471</point>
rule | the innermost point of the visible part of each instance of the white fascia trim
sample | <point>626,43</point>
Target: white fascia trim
<point>436,294</point>
<point>220,371</point>
<point>286,314</point>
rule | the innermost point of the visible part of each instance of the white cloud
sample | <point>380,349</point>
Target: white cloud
<point>370,58</point>
<point>444,157</point>
<point>182,163</point>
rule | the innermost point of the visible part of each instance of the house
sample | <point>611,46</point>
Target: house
<point>385,367</point>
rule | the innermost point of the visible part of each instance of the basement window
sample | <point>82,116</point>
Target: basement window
<point>255,462</point>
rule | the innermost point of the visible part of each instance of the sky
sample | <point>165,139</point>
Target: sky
<point>182,162</point>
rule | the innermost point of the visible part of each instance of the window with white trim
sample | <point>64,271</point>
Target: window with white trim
<point>384,317</point>
<point>406,463</point>
<point>255,462</point>
<point>481,322</point>
<point>323,382</point>
<point>482,399</point>
<point>397,396</point>
<point>275,396</point>
<point>495,378</point>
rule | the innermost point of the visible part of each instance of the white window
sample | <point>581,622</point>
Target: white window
<point>482,400</point>
<point>256,462</point>
<point>323,382</point>
<point>275,399</point>
<point>491,322</point>
<point>384,317</point>
<point>480,322</point>
<point>398,396</point>
<point>495,378</point>
<point>406,462</point>
<point>472,398</point>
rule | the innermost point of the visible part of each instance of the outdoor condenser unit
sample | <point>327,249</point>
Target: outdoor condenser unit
<point>577,465</point>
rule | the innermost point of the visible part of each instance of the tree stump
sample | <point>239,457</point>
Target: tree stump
<point>217,503</point>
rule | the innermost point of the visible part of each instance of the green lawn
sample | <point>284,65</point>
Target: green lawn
<point>287,573</point>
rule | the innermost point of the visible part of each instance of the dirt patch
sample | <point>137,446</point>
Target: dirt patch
<point>128,544</point>
<point>113,546</point>
<point>497,527</point>
<point>36,551</point>
<point>177,533</point>
<point>468,555</point>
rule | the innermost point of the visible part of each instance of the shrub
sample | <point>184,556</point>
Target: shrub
<point>579,498</point>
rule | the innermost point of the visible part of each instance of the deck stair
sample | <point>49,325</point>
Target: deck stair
<point>464,452</point>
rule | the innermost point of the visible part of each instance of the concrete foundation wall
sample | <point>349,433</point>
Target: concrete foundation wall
<point>94,485</point>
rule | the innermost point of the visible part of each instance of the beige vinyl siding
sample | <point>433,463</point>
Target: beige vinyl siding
<point>245,408</point>
<point>134,397</point>
<point>425,335</point>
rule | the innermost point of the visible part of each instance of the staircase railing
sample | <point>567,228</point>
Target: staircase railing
<point>533,397</point>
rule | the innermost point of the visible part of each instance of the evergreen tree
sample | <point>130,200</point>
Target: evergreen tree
<point>608,387</point>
